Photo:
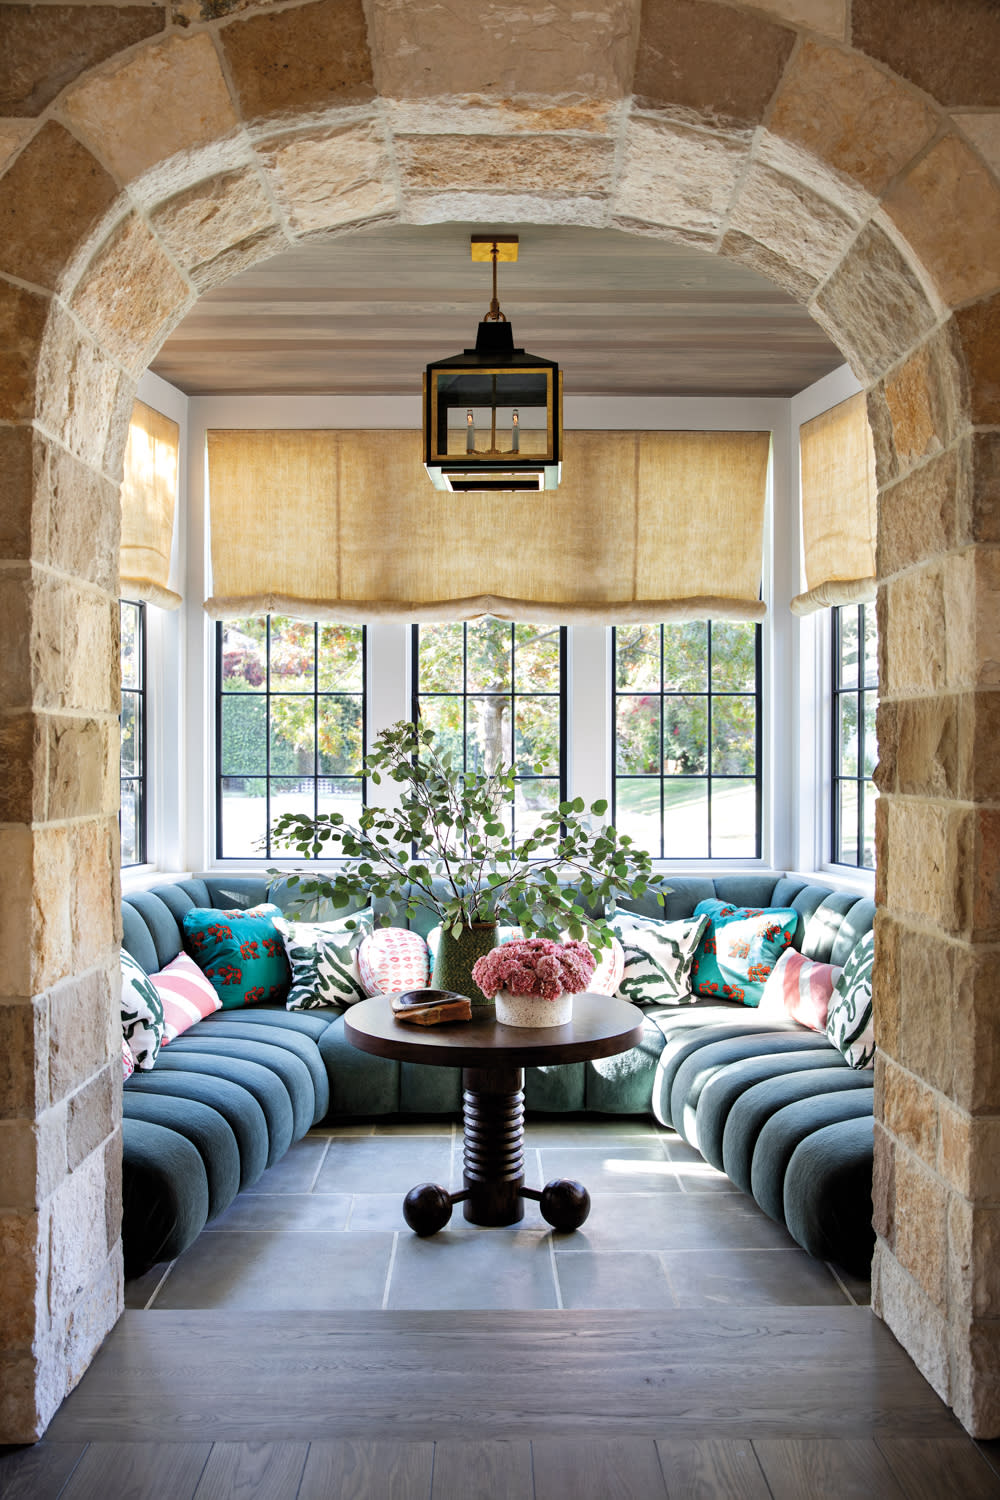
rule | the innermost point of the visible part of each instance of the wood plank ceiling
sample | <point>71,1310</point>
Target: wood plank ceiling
<point>363,313</point>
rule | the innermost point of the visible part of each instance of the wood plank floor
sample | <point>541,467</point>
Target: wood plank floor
<point>788,1403</point>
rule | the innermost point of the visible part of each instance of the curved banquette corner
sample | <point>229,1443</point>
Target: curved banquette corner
<point>770,1103</point>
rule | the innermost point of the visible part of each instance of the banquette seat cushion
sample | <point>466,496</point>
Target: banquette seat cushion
<point>767,1100</point>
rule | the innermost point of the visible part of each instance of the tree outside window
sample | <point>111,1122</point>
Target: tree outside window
<point>132,817</point>
<point>855,749</point>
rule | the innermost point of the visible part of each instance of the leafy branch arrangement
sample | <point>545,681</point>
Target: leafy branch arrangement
<point>467,867</point>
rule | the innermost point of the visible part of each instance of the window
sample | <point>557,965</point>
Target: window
<point>686,770</point>
<point>132,817</point>
<point>290,726</point>
<point>493,693</point>
<point>855,693</point>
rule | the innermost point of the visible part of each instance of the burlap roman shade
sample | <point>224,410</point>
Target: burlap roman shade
<point>345,525</point>
<point>837,460</point>
<point>149,501</point>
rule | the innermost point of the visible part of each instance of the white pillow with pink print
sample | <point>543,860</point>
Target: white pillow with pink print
<point>187,996</point>
<point>393,959</point>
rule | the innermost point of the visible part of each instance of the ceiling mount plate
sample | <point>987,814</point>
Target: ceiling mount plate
<point>482,247</point>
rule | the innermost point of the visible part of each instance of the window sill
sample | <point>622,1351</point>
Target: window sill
<point>143,877</point>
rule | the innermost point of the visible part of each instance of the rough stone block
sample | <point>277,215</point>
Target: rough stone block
<point>213,216</point>
<point>498,51</point>
<point>23,1251</point>
<point>240,258</point>
<point>970,1153</point>
<point>921,1221</point>
<point>791,220</point>
<point>852,115</point>
<point>94,1114</point>
<point>975,1030</point>
<point>35,243</point>
<point>929,875</point>
<point>883,1185</point>
<point>310,59</point>
<point>984,847</point>
<point>985,594</point>
<point>49,940</point>
<point>926,399</point>
<point>919,514</point>
<point>948,207</point>
<point>78,387</point>
<point>974,1262</point>
<point>948,47</point>
<point>16,493</point>
<point>979,332</point>
<point>18,1167</point>
<point>792,279</point>
<point>47,46</point>
<point>975,1360</point>
<point>93,1317</point>
<point>113,1195</point>
<point>927,1025</point>
<point>880,422</point>
<point>874,306</point>
<point>78,1235</point>
<point>979,746</point>
<point>78,1040</point>
<point>168,97</point>
<point>22,319</point>
<point>329,177</point>
<point>94,918</point>
<point>886,997</point>
<point>24,1080</point>
<point>675,176</point>
<point>919,738</point>
<point>454,163</point>
<point>984,133</point>
<point>13,134</point>
<point>16,853</point>
<point>910,1111</point>
<point>78,517</point>
<point>980,518</point>
<point>919,1326</point>
<point>78,754</point>
<point>131,294</point>
<point>722,65</point>
<point>914,638</point>
<point>22,788</point>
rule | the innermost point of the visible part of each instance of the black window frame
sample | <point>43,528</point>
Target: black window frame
<point>139,780</point>
<point>860,691</point>
<point>269,852</point>
<point>465,695</point>
<point>709,776</point>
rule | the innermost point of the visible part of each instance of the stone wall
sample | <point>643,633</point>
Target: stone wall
<point>849,152</point>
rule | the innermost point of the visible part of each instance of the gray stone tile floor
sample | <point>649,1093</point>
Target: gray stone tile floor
<point>324,1229</point>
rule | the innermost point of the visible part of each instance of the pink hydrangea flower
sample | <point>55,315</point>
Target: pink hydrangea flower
<point>535,966</point>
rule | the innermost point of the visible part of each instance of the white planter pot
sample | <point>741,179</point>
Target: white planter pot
<point>532,1010</point>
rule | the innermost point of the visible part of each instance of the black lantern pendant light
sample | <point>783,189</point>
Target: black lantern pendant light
<point>493,415</point>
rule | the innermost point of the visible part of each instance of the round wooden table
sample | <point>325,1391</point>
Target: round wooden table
<point>493,1059</point>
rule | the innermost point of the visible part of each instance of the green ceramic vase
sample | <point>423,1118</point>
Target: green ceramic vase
<point>455,957</point>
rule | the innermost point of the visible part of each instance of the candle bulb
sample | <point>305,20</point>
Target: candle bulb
<point>470,432</point>
<point>515,435</point>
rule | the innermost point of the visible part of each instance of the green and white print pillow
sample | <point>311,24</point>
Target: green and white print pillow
<point>658,957</point>
<point>324,960</point>
<point>849,1024</point>
<point>142,1013</point>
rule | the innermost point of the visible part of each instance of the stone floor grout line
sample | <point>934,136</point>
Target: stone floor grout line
<point>350,1212</point>
<point>561,1306</point>
<point>323,1157</point>
<point>159,1286</point>
<point>852,1300</point>
<point>389,1270</point>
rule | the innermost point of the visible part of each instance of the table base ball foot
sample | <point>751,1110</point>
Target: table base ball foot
<point>564,1204</point>
<point>427,1208</point>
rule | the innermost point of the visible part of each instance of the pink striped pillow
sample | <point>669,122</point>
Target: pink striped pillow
<point>801,988</point>
<point>186,994</point>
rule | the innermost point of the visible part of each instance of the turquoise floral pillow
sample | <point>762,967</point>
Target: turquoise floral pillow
<point>241,952</point>
<point>849,1024</point>
<point>740,947</point>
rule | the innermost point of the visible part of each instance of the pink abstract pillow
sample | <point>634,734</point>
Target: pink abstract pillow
<point>800,988</point>
<point>128,1061</point>
<point>186,994</point>
<point>393,959</point>
<point>610,969</point>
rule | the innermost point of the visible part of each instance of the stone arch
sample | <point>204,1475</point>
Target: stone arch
<point>857,168</point>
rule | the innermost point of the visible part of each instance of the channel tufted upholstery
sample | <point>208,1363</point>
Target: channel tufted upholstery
<point>770,1103</point>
